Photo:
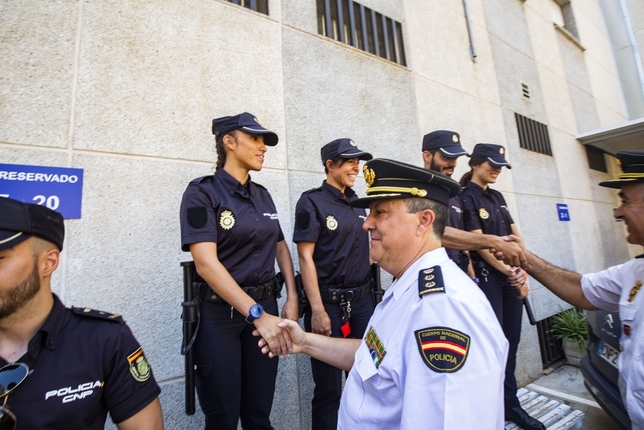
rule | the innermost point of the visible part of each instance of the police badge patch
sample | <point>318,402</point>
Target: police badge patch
<point>444,350</point>
<point>483,213</point>
<point>226,220</point>
<point>139,367</point>
<point>331,223</point>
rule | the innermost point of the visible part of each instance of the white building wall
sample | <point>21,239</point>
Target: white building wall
<point>127,91</point>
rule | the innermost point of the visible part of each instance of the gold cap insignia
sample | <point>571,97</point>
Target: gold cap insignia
<point>331,223</point>
<point>619,163</point>
<point>139,367</point>
<point>454,138</point>
<point>483,213</point>
<point>369,175</point>
<point>352,143</point>
<point>501,151</point>
<point>226,220</point>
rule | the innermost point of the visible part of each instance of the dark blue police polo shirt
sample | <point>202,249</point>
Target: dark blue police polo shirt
<point>455,219</point>
<point>323,216</point>
<point>240,218</point>
<point>485,210</point>
<point>82,367</point>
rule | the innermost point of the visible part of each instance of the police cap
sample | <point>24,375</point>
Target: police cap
<point>632,164</point>
<point>493,153</point>
<point>245,122</point>
<point>343,148</point>
<point>19,221</point>
<point>390,179</point>
<point>447,142</point>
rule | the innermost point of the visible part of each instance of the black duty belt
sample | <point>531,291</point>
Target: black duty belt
<point>258,292</point>
<point>331,294</point>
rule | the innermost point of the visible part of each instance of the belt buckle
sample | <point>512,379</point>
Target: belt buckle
<point>348,296</point>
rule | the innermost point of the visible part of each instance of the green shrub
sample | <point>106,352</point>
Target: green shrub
<point>571,324</point>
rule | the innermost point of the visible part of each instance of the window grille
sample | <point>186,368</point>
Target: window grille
<point>260,6</point>
<point>596,160</point>
<point>533,135</point>
<point>551,348</point>
<point>354,24</point>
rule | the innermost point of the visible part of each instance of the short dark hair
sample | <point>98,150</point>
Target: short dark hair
<point>417,204</point>
<point>335,161</point>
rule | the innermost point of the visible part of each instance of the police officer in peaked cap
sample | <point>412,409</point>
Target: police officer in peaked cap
<point>433,347</point>
<point>230,226</point>
<point>485,211</point>
<point>333,251</point>
<point>62,368</point>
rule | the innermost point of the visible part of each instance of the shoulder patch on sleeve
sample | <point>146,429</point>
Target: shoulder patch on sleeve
<point>139,367</point>
<point>197,217</point>
<point>444,350</point>
<point>93,313</point>
<point>430,281</point>
<point>302,220</point>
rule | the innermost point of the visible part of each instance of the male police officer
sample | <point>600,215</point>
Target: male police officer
<point>433,348</point>
<point>68,367</point>
<point>616,288</point>
<point>441,149</point>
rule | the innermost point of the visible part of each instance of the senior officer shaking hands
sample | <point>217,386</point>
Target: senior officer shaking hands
<point>62,368</point>
<point>433,354</point>
<point>616,288</point>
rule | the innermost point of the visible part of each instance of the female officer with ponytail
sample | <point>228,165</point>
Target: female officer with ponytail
<point>230,226</point>
<point>485,211</point>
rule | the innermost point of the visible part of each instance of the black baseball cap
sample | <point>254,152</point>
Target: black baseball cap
<point>390,179</point>
<point>343,148</point>
<point>493,153</point>
<point>246,122</point>
<point>632,164</point>
<point>19,221</point>
<point>447,142</point>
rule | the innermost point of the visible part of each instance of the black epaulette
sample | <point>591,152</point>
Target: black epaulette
<point>198,180</point>
<point>430,281</point>
<point>640,256</point>
<point>260,186</point>
<point>93,313</point>
<point>312,190</point>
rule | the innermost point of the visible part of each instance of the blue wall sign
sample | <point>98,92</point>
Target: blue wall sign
<point>562,209</point>
<point>58,188</point>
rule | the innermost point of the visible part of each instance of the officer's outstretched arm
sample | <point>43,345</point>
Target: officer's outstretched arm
<point>565,284</point>
<point>337,352</point>
<point>148,418</point>
<point>512,252</point>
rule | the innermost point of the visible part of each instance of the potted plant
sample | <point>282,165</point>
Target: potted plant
<point>571,326</point>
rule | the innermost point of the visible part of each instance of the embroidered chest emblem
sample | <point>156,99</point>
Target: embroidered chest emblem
<point>226,220</point>
<point>443,349</point>
<point>139,367</point>
<point>376,348</point>
<point>331,223</point>
<point>636,289</point>
<point>483,213</point>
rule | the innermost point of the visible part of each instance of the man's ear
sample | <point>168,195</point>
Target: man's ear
<point>48,262</point>
<point>426,220</point>
<point>427,159</point>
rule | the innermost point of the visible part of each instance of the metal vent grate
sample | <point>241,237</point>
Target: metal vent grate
<point>533,135</point>
<point>596,160</point>
<point>551,348</point>
<point>525,90</point>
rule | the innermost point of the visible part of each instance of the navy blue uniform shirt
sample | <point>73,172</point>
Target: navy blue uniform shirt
<point>323,216</point>
<point>240,218</point>
<point>455,219</point>
<point>82,367</point>
<point>485,210</point>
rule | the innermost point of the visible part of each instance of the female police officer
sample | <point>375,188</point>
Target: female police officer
<point>333,251</point>
<point>485,211</point>
<point>230,226</point>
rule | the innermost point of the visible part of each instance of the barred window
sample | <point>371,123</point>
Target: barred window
<point>596,160</point>
<point>260,6</point>
<point>354,24</point>
<point>533,135</point>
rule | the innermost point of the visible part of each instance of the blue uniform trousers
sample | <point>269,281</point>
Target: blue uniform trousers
<point>508,309</point>
<point>328,379</point>
<point>233,378</point>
